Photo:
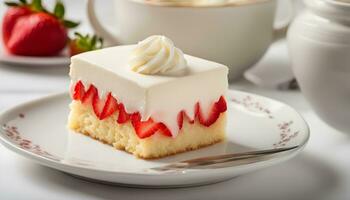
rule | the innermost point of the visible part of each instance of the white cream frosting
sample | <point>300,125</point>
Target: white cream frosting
<point>157,55</point>
<point>159,97</point>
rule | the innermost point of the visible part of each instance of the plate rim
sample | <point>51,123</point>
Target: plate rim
<point>56,164</point>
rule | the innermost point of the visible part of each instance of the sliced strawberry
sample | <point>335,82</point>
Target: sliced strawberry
<point>213,116</point>
<point>123,115</point>
<point>98,105</point>
<point>181,117</point>
<point>164,130</point>
<point>191,121</point>
<point>197,110</point>
<point>79,91</point>
<point>221,104</point>
<point>110,107</point>
<point>89,94</point>
<point>217,108</point>
<point>135,118</point>
<point>145,129</point>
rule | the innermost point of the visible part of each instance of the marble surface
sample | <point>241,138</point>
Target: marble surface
<point>321,172</point>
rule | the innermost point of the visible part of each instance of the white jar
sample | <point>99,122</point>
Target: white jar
<point>319,45</point>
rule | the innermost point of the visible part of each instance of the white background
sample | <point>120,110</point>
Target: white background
<point>322,171</point>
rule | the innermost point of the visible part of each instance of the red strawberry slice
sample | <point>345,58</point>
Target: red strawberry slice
<point>180,119</point>
<point>164,130</point>
<point>147,128</point>
<point>214,114</point>
<point>123,115</point>
<point>98,105</point>
<point>110,107</point>
<point>79,91</point>
<point>135,118</point>
<point>144,129</point>
<point>221,104</point>
<point>89,94</point>
<point>217,108</point>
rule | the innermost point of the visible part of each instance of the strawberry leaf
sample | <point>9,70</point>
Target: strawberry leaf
<point>37,6</point>
<point>93,41</point>
<point>11,3</point>
<point>24,2</point>
<point>78,35</point>
<point>59,10</point>
<point>70,24</point>
<point>100,40</point>
<point>87,42</point>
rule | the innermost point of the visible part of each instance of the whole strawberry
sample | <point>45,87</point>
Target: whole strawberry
<point>30,30</point>
<point>83,43</point>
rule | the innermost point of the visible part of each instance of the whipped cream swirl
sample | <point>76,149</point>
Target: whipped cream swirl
<point>157,55</point>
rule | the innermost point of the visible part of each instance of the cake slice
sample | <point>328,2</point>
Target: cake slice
<point>148,99</point>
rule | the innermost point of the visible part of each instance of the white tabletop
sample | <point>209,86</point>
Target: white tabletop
<point>320,172</point>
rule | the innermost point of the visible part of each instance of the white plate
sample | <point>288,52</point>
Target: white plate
<point>37,130</point>
<point>59,60</point>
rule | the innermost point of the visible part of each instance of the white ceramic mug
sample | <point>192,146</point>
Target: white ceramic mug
<point>319,46</point>
<point>233,32</point>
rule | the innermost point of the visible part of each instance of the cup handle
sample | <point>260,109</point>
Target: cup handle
<point>99,29</point>
<point>281,31</point>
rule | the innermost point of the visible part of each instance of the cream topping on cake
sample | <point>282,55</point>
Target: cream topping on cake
<point>159,97</point>
<point>157,55</point>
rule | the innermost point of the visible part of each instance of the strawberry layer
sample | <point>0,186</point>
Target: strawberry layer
<point>104,108</point>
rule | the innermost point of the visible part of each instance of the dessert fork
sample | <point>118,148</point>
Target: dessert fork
<point>226,160</point>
